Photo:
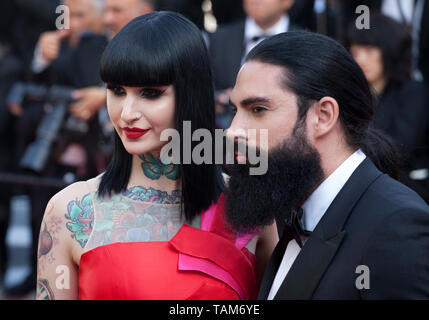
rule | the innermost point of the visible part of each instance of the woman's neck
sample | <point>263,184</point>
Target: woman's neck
<point>148,171</point>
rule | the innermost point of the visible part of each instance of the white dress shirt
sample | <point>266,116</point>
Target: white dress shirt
<point>314,209</point>
<point>251,30</point>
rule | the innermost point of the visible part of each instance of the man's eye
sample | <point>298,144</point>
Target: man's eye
<point>258,110</point>
<point>151,93</point>
<point>116,90</point>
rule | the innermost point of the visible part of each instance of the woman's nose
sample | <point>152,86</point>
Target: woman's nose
<point>129,113</point>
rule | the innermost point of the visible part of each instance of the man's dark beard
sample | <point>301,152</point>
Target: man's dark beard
<point>294,171</point>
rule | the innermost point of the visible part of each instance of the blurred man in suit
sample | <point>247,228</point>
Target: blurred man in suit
<point>350,230</point>
<point>231,42</point>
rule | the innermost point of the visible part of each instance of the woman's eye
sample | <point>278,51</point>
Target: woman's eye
<point>151,93</point>
<point>116,90</point>
<point>258,110</point>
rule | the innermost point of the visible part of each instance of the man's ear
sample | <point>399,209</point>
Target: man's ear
<point>325,116</point>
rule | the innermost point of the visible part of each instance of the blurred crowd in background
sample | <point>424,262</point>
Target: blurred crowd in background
<point>53,121</point>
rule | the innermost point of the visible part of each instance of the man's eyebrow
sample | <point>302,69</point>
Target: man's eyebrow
<point>252,100</point>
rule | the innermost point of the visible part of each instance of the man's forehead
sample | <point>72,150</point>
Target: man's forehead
<point>121,3</point>
<point>258,79</point>
<point>78,3</point>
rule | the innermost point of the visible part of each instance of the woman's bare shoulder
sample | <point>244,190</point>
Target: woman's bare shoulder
<point>75,191</point>
<point>72,211</point>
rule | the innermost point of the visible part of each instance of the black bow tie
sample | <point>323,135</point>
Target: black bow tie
<point>293,229</point>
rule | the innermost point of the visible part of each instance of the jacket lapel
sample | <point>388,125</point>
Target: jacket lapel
<point>320,248</point>
<point>271,270</point>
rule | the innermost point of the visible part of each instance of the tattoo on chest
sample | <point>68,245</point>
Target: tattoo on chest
<point>153,168</point>
<point>137,214</point>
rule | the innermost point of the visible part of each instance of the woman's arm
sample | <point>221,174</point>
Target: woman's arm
<point>267,241</point>
<point>57,274</point>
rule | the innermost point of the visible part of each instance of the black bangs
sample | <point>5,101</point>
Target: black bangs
<point>136,56</point>
<point>362,37</point>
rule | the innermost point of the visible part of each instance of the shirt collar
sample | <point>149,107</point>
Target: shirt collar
<point>251,29</point>
<point>320,200</point>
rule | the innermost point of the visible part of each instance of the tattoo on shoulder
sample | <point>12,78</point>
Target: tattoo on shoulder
<point>81,219</point>
<point>45,241</point>
<point>48,233</point>
<point>44,291</point>
<point>48,238</point>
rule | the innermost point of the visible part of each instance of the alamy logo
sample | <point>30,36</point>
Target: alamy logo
<point>362,22</point>
<point>63,280</point>
<point>63,20</point>
<point>203,151</point>
<point>362,281</point>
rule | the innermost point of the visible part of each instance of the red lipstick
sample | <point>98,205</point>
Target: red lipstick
<point>134,133</point>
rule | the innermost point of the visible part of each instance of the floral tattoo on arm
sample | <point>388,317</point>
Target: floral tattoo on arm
<point>81,219</point>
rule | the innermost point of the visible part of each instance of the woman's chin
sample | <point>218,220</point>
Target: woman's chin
<point>137,150</point>
<point>141,148</point>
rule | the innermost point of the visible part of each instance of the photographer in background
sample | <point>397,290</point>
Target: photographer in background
<point>68,57</point>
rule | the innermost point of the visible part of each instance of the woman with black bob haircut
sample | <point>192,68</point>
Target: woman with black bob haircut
<point>138,58</point>
<point>146,228</point>
<point>384,53</point>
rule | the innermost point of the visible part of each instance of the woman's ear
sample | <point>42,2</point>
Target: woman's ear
<point>325,116</point>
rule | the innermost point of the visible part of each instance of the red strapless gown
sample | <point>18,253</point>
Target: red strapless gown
<point>211,263</point>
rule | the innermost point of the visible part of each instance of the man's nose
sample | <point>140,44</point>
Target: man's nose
<point>237,129</point>
<point>108,19</point>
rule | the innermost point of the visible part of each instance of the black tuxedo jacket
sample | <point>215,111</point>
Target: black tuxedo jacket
<point>227,48</point>
<point>76,67</point>
<point>374,221</point>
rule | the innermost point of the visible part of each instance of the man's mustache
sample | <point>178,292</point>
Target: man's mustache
<point>241,147</point>
<point>248,156</point>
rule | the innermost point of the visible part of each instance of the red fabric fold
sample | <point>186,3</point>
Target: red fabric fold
<point>222,252</point>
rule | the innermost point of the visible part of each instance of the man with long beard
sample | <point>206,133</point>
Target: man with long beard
<point>350,230</point>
